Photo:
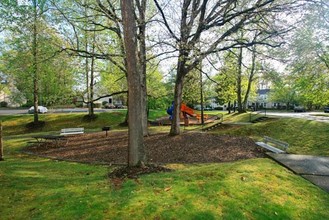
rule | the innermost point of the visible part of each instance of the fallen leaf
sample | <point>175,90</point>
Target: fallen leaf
<point>167,189</point>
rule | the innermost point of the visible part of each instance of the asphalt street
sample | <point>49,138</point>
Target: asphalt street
<point>59,110</point>
<point>314,116</point>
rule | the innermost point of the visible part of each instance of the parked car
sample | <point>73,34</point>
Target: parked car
<point>326,109</point>
<point>299,109</point>
<point>41,109</point>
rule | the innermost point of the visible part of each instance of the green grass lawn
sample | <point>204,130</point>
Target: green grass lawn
<point>303,136</point>
<point>38,188</point>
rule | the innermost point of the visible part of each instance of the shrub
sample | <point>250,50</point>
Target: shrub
<point>79,104</point>
<point>3,104</point>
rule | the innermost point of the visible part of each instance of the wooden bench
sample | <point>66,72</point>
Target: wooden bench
<point>273,144</point>
<point>72,131</point>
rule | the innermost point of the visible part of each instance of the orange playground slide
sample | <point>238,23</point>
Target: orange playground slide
<point>187,110</point>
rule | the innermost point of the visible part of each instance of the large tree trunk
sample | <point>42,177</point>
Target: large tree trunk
<point>136,153</point>
<point>175,126</point>
<point>141,5</point>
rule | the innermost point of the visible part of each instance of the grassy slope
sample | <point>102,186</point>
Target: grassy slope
<point>303,136</point>
<point>37,188</point>
<point>16,124</point>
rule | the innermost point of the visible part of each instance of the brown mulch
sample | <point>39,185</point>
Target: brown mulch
<point>191,147</point>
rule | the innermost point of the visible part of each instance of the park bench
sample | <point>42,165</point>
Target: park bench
<point>273,145</point>
<point>72,131</point>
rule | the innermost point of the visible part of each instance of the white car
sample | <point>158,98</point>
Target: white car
<point>41,109</point>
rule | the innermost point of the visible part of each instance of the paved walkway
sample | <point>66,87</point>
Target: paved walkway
<point>313,168</point>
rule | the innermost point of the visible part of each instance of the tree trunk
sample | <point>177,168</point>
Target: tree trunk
<point>239,82</point>
<point>87,80</point>
<point>91,86</point>
<point>251,78</point>
<point>142,61</point>
<point>175,125</point>
<point>1,143</point>
<point>229,107</point>
<point>136,153</point>
<point>201,98</point>
<point>35,64</point>
<point>181,72</point>
<point>91,95</point>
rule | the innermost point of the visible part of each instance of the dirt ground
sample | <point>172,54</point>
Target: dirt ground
<point>191,147</point>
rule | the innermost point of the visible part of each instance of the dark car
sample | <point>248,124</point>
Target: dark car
<point>299,109</point>
<point>326,109</point>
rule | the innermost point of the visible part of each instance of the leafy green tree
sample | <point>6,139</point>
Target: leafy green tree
<point>283,90</point>
<point>193,40</point>
<point>191,90</point>
<point>308,66</point>
<point>226,80</point>
<point>32,61</point>
<point>157,92</point>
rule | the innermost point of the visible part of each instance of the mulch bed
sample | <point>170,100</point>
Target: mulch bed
<point>190,147</point>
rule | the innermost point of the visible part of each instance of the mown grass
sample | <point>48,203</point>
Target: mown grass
<point>16,124</point>
<point>38,188</point>
<point>303,136</point>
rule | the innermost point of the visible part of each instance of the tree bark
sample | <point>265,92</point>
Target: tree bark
<point>239,82</point>
<point>35,64</point>
<point>178,94</point>
<point>1,143</point>
<point>136,153</point>
<point>251,78</point>
<point>229,107</point>
<point>201,98</point>
<point>91,83</point>
<point>141,5</point>
<point>175,127</point>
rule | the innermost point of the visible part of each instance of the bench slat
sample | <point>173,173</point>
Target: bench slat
<point>277,142</point>
<point>269,147</point>
<point>68,131</point>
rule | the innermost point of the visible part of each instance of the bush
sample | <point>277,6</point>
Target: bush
<point>97,105</point>
<point>3,104</point>
<point>79,104</point>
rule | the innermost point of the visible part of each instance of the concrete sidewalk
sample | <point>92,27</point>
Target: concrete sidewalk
<point>313,168</point>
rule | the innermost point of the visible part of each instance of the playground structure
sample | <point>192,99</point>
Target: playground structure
<point>188,116</point>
